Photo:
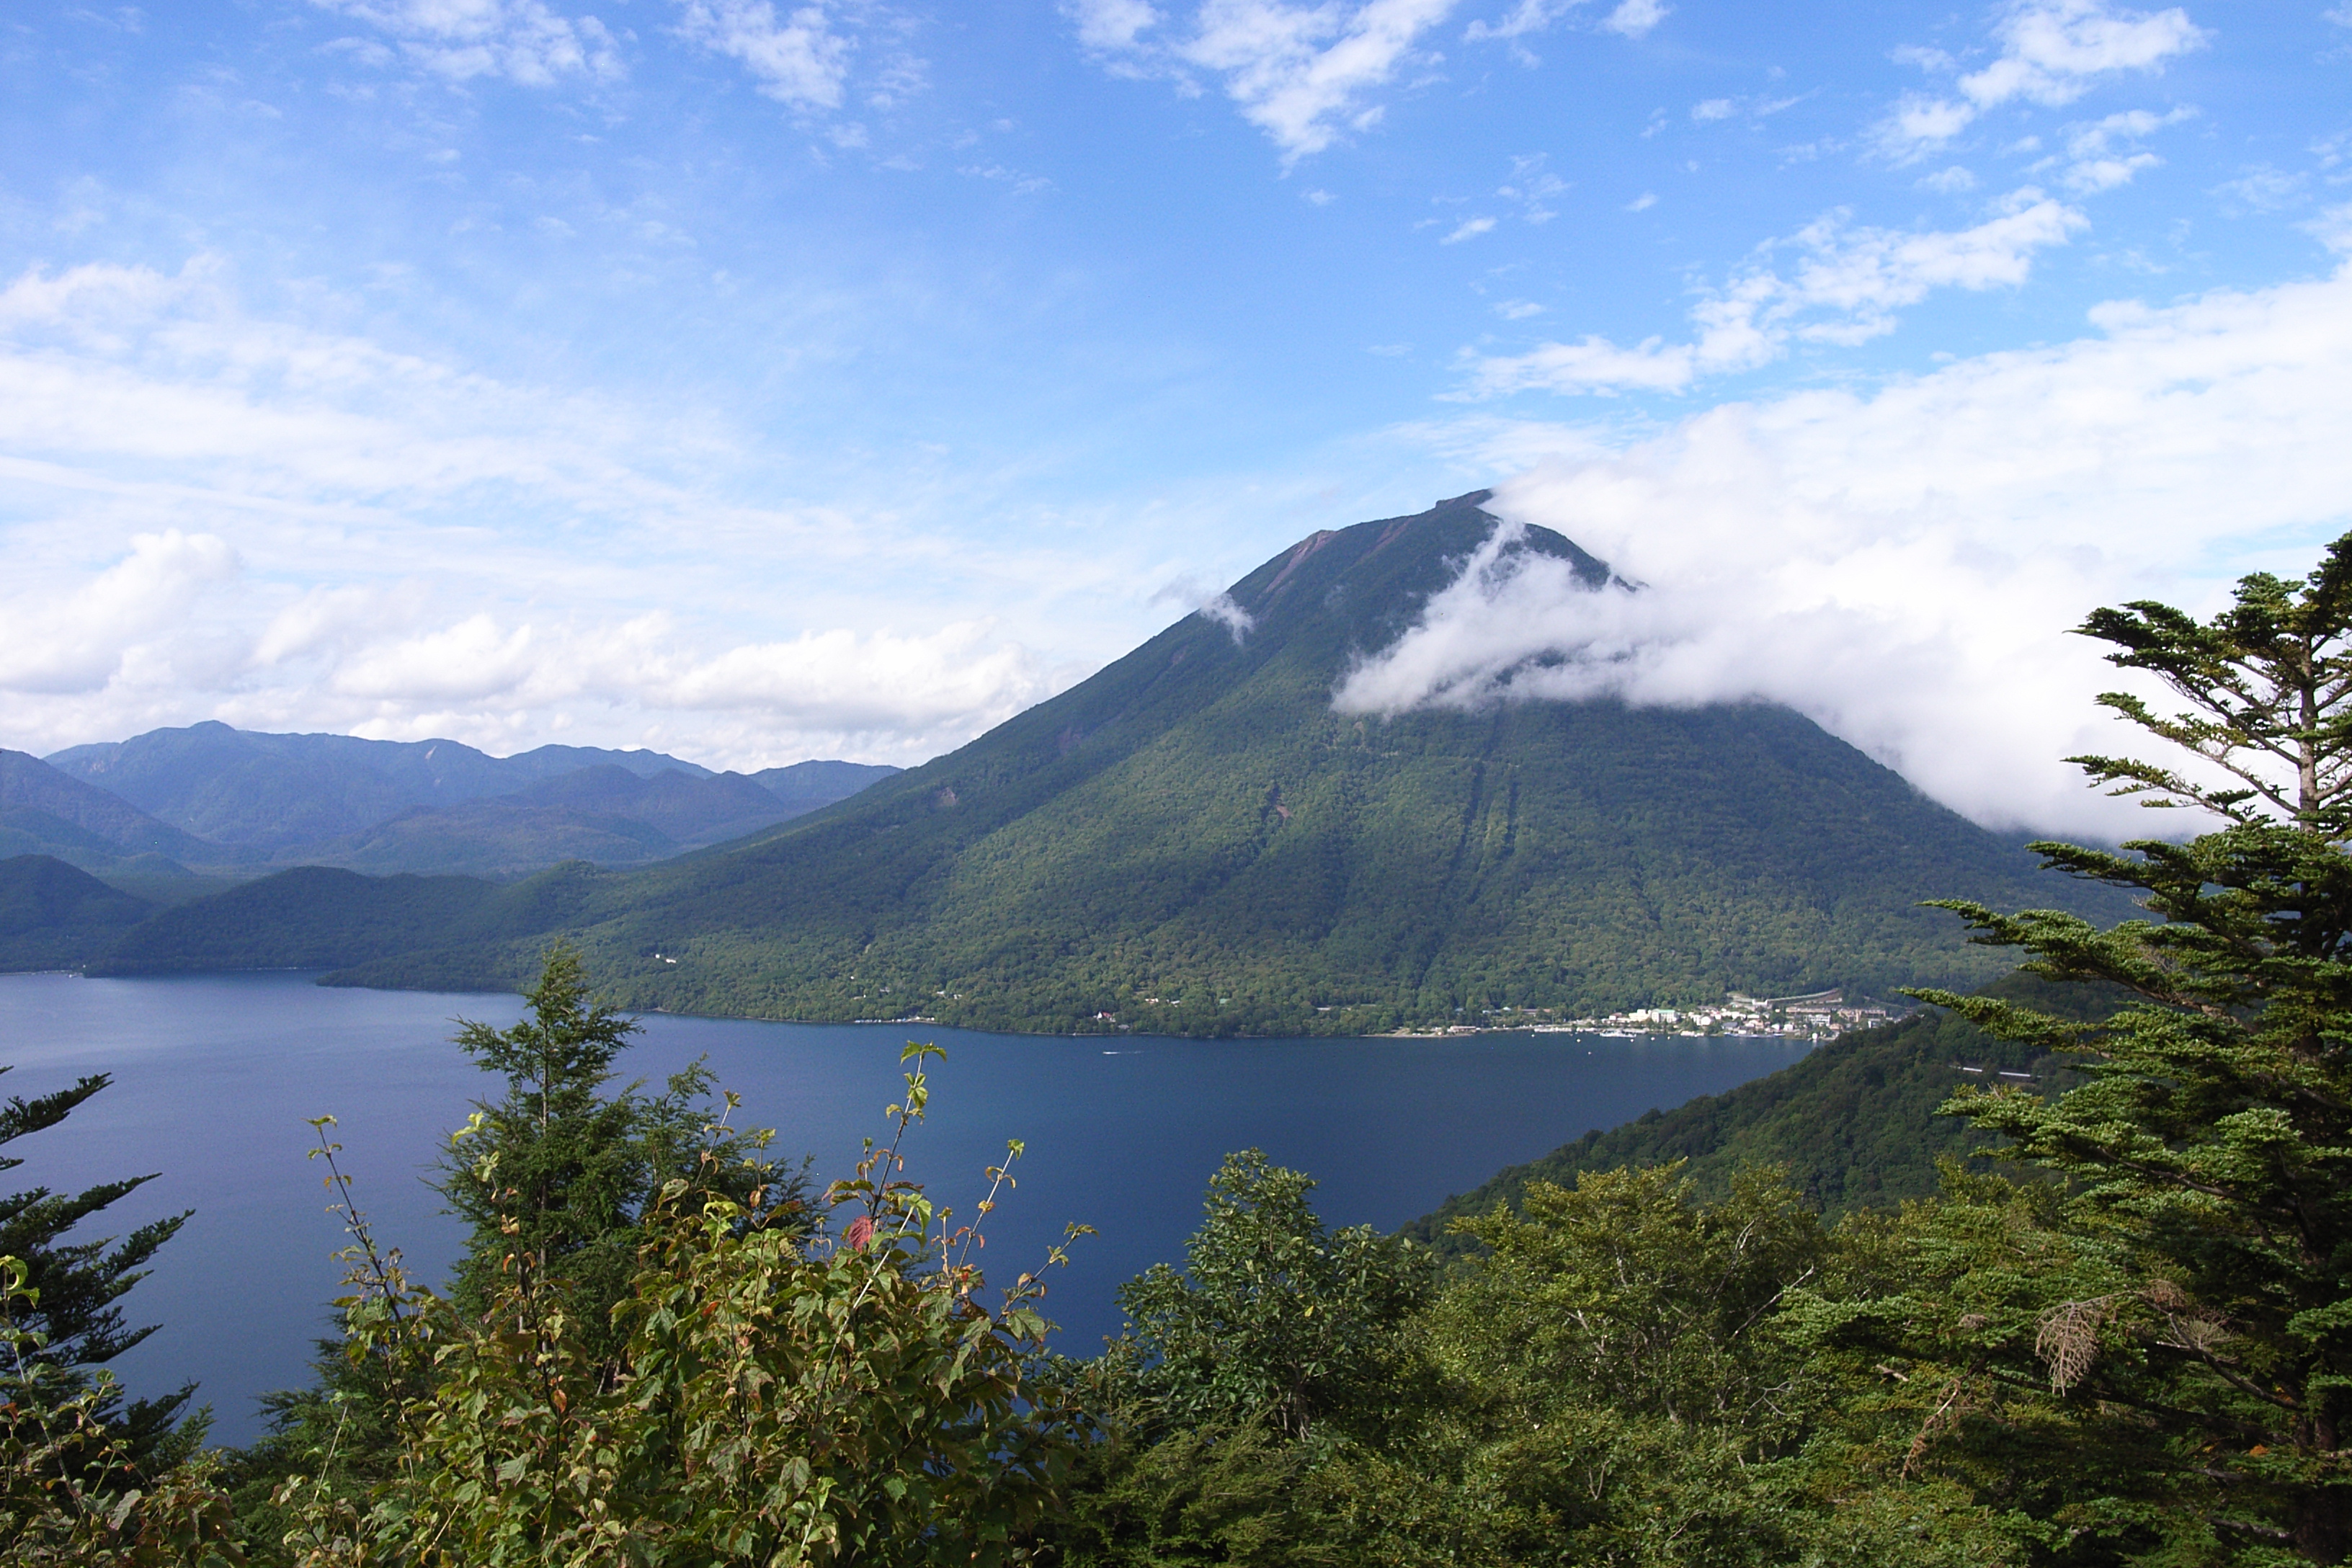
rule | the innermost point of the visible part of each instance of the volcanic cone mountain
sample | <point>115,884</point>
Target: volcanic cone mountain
<point>1194,841</point>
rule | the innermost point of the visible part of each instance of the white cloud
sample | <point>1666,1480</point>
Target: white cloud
<point>1208,601</point>
<point>160,371</point>
<point>321,618</point>
<point>524,41</point>
<point>1023,184</point>
<point>76,642</point>
<point>1921,124</point>
<point>1533,186</point>
<point>1518,309</point>
<point>1303,74</point>
<point>207,515</point>
<point>1948,181</point>
<point>1111,25</point>
<point>797,60</point>
<point>2052,52</point>
<point>1903,567</point>
<point>2094,174</point>
<point>2102,154</point>
<point>959,679</point>
<point>468,662</point>
<point>1643,202</point>
<point>941,685</point>
<point>1845,288</point>
<point>1634,19</point>
<point>1525,17</point>
<point>2265,189</point>
<point>2333,228</point>
<point>1469,228</point>
<point>1712,108</point>
<point>1222,609</point>
<point>2052,47</point>
<point>1591,364</point>
<point>1630,19</point>
<point>1925,57</point>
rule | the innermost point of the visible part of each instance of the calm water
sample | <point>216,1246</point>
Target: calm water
<point>214,1076</point>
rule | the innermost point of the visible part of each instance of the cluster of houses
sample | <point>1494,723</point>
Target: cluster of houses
<point>1816,1014</point>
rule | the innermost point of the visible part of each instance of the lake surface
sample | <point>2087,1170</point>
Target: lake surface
<point>214,1077</point>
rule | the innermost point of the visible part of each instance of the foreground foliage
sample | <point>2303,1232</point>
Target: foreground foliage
<point>75,1486</point>
<point>768,1396</point>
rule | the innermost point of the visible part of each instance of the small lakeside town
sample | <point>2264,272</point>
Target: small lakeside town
<point>1815,1016</point>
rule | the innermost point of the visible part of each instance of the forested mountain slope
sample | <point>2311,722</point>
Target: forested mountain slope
<point>1194,841</point>
<point>603,813</point>
<point>56,916</point>
<point>317,917</point>
<point>1853,1123</point>
<point>45,811</point>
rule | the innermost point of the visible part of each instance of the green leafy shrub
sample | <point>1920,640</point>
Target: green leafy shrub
<point>777,1396</point>
<point>71,1490</point>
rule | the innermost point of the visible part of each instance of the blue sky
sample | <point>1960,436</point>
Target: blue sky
<point>764,379</point>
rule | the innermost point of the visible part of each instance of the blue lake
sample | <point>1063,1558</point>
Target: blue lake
<point>215,1077</point>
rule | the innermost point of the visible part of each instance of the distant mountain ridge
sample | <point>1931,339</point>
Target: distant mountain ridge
<point>167,815</point>
<point>1194,841</point>
<point>246,788</point>
<point>605,814</point>
<point>40,806</point>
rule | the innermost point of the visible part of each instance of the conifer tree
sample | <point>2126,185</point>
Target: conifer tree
<point>2196,1301</point>
<point>73,1308</point>
<point>552,1176</point>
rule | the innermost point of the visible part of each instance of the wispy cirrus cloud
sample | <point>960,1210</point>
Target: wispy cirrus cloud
<point>797,57</point>
<point>2052,53</point>
<point>524,41</point>
<point>1627,19</point>
<point>1304,75</point>
<point>1634,19</point>
<point>1845,287</point>
<point>2105,154</point>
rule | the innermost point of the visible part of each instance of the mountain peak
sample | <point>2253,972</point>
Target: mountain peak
<point>1341,594</point>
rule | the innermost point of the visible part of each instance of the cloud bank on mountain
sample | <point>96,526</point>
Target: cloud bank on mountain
<point>1903,565</point>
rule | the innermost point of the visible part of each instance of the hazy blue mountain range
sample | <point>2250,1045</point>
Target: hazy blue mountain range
<point>176,813</point>
<point>807,786</point>
<point>1194,841</point>
<point>605,814</point>
<point>36,800</point>
<point>239,788</point>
